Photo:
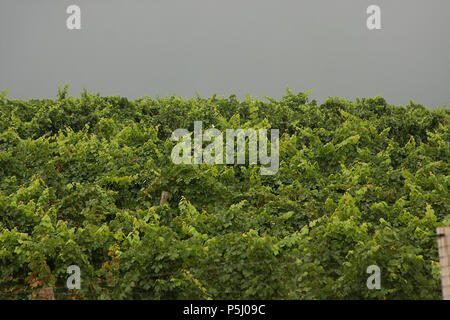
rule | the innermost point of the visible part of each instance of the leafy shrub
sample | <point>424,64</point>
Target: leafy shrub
<point>360,183</point>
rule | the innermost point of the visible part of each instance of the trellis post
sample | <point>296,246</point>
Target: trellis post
<point>444,259</point>
<point>46,294</point>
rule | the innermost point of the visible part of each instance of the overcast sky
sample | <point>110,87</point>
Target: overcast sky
<point>160,47</point>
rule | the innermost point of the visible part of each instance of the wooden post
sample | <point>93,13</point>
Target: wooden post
<point>444,259</point>
<point>46,294</point>
<point>164,197</point>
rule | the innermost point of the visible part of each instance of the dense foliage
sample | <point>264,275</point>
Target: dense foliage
<point>360,183</point>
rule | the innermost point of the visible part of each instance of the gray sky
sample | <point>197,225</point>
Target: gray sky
<point>160,47</point>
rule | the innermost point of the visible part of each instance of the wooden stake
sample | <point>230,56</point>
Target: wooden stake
<point>164,197</point>
<point>444,259</point>
<point>46,294</point>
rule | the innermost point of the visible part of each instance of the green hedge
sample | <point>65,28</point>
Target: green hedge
<point>360,183</point>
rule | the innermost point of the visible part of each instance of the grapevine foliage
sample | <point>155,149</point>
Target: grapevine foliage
<point>360,183</point>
